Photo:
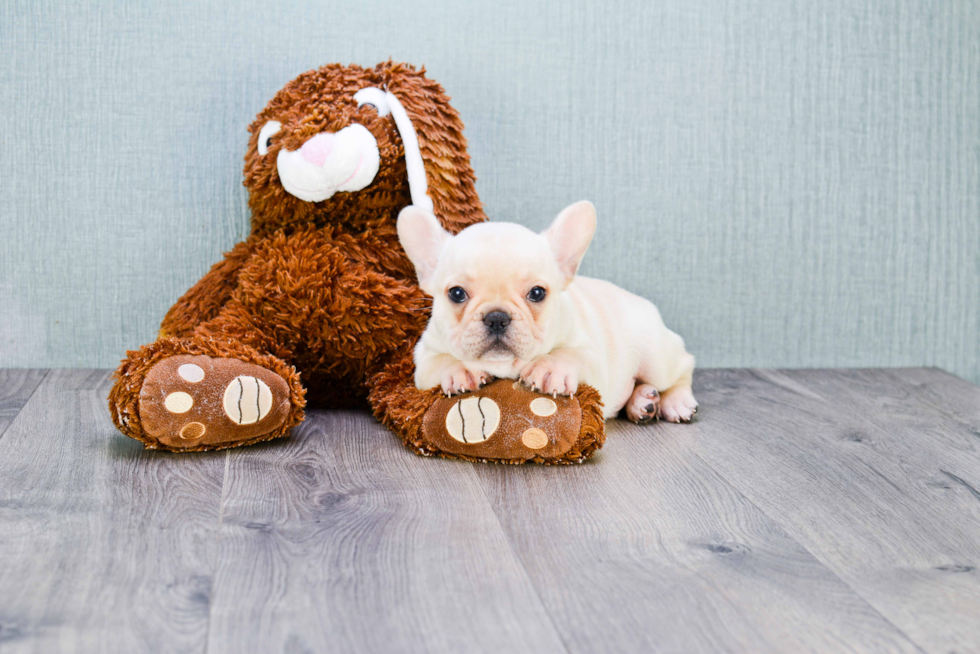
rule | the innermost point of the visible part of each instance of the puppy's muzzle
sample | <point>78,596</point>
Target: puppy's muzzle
<point>496,322</point>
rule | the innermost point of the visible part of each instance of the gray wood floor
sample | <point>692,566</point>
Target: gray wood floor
<point>821,510</point>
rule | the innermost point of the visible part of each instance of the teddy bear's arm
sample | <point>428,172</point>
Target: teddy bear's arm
<point>204,300</point>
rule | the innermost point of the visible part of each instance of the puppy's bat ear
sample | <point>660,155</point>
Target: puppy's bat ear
<point>423,239</point>
<point>570,235</point>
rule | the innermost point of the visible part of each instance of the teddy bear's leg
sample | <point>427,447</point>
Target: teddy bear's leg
<point>204,300</point>
<point>204,393</point>
<point>503,421</point>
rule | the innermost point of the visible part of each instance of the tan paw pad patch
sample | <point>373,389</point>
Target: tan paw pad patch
<point>192,430</point>
<point>190,372</point>
<point>543,407</point>
<point>534,438</point>
<point>473,419</point>
<point>178,402</point>
<point>247,400</point>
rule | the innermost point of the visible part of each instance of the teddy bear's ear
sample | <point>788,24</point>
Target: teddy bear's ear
<point>449,176</point>
<point>423,239</point>
<point>417,181</point>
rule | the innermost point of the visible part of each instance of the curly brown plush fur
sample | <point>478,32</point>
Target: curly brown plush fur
<point>324,288</point>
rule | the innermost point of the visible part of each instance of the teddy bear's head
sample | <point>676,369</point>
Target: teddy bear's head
<point>353,146</point>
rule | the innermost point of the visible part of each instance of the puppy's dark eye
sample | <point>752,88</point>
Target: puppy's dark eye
<point>458,295</point>
<point>537,294</point>
<point>268,143</point>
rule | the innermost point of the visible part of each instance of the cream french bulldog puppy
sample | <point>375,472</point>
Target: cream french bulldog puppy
<point>507,304</point>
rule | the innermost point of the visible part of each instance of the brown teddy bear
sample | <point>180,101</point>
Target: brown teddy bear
<point>322,286</point>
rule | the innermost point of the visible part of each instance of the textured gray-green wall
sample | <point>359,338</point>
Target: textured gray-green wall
<point>794,183</point>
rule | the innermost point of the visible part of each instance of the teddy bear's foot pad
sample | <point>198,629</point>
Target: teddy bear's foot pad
<point>504,421</point>
<point>187,401</point>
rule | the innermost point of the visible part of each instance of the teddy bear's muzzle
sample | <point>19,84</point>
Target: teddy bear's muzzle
<point>330,162</point>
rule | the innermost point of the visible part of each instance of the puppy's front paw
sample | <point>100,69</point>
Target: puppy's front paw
<point>644,404</point>
<point>551,376</point>
<point>457,379</point>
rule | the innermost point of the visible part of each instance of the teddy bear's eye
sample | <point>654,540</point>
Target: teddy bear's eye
<point>457,294</point>
<point>265,136</point>
<point>374,98</point>
<point>537,294</point>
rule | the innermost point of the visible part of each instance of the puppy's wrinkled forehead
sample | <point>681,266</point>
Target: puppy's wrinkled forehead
<point>497,252</point>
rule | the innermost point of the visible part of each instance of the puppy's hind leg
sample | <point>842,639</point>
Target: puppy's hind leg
<point>677,403</point>
<point>644,404</point>
<point>669,370</point>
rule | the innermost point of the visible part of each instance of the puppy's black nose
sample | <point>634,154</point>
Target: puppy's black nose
<point>496,322</point>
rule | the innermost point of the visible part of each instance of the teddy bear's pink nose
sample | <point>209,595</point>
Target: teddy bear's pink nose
<point>317,149</point>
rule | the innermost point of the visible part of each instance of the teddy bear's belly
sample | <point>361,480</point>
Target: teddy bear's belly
<point>314,302</point>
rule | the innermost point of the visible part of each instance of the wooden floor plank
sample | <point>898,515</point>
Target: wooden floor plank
<point>104,547</point>
<point>904,424</point>
<point>853,471</point>
<point>945,391</point>
<point>16,387</point>
<point>339,539</point>
<point>645,548</point>
<point>804,511</point>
